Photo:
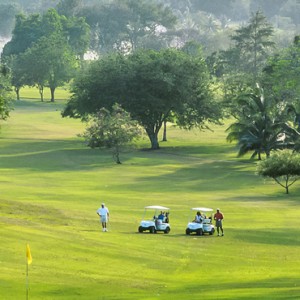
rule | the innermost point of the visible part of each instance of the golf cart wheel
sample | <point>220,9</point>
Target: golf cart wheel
<point>152,229</point>
<point>187,231</point>
<point>199,231</point>
<point>141,229</point>
<point>167,230</point>
<point>212,232</point>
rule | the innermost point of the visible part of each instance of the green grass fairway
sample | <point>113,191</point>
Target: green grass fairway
<point>51,185</point>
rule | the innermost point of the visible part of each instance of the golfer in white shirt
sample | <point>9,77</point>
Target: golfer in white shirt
<point>103,213</point>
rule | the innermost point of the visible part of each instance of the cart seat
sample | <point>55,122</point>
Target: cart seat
<point>206,221</point>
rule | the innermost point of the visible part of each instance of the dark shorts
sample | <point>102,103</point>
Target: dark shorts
<point>219,223</point>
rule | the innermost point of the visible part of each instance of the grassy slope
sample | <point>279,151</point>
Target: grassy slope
<point>51,186</point>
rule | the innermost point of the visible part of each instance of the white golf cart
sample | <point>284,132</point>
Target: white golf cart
<point>204,225</point>
<point>159,220</point>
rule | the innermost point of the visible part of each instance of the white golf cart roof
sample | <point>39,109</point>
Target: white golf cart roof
<point>158,207</point>
<point>203,209</point>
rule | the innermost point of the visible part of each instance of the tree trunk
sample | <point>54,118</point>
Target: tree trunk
<point>154,140</point>
<point>41,91</point>
<point>52,90</point>
<point>117,155</point>
<point>259,155</point>
<point>165,132</point>
<point>117,158</point>
<point>152,132</point>
<point>287,184</point>
<point>17,90</point>
<point>286,189</point>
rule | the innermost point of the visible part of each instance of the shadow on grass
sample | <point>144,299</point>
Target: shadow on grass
<point>49,154</point>
<point>182,151</point>
<point>273,288</point>
<point>177,171</point>
<point>53,155</point>
<point>37,105</point>
<point>278,195</point>
<point>181,168</point>
<point>202,175</point>
<point>284,236</point>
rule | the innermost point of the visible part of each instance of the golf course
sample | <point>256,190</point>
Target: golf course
<point>51,185</point>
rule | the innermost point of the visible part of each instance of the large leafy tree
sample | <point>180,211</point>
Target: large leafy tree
<point>5,93</point>
<point>27,30</point>
<point>49,62</point>
<point>77,33</point>
<point>151,85</point>
<point>283,166</point>
<point>16,73</point>
<point>281,78</point>
<point>43,49</point>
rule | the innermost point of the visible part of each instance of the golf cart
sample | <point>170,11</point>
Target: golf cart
<point>202,226</point>
<point>159,221</point>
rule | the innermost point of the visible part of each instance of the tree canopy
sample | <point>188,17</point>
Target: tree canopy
<point>254,43</point>
<point>5,95</point>
<point>150,85</point>
<point>281,75</point>
<point>125,25</point>
<point>44,49</point>
<point>261,126</point>
<point>283,166</point>
<point>113,130</point>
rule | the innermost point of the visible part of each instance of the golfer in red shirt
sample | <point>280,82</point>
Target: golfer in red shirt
<point>219,217</point>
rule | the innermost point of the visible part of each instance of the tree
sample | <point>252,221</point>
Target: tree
<point>44,49</point>
<point>254,43</point>
<point>16,73</point>
<point>238,68</point>
<point>151,86</point>
<point>61,62</point>
<point>261,126</point>
<point>77,33</point>
<point>125,25</point>
<point>49,62</point>
<point>27,30</point>
<point>145,18</point>
<point>281,76</point>
<point>5,96</point>
<point>112,130</point>
<point>283,166</point>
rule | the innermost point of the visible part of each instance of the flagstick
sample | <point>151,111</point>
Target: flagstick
<point>27,282</point>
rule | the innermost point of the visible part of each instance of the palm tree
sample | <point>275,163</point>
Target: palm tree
<point>260,127</point>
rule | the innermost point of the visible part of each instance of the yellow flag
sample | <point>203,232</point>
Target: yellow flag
<point>28,255</point>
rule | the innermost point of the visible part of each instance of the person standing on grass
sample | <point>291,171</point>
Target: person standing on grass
<point>103,213</point>
<point>219,217</point>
